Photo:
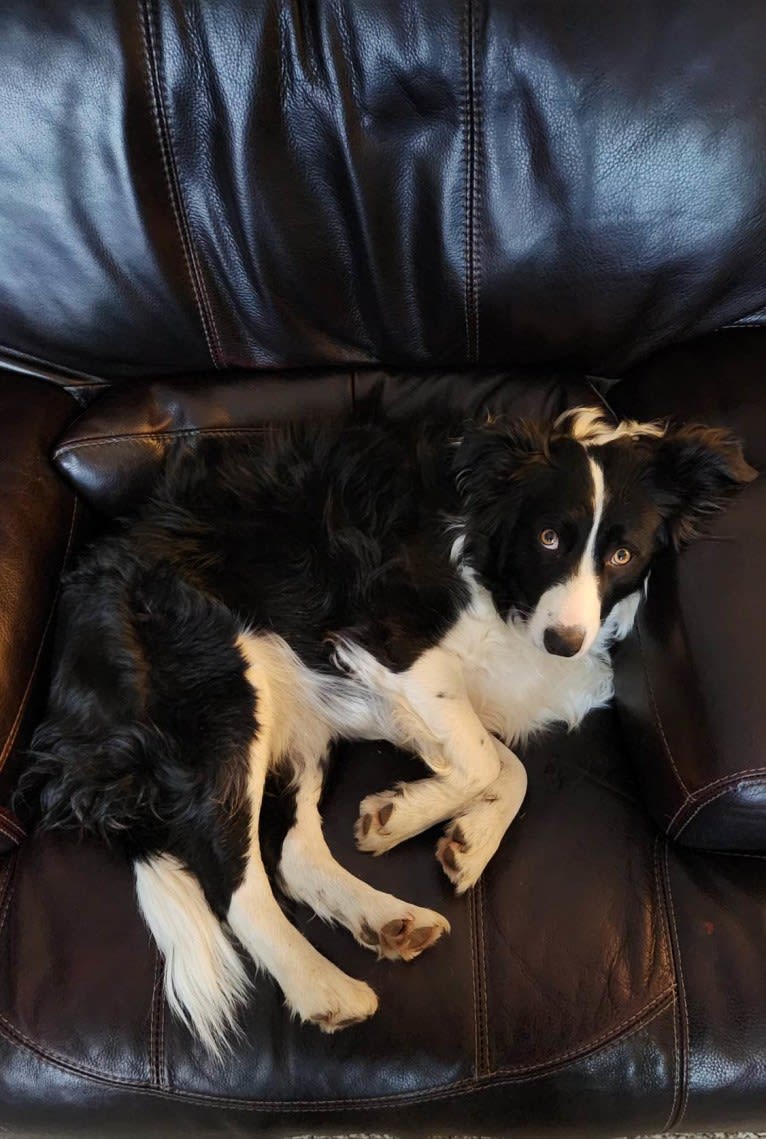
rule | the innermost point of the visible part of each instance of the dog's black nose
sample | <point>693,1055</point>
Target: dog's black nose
<point>564,641</point>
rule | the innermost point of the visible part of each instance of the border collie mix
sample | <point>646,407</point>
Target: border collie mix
<point>451,593</point>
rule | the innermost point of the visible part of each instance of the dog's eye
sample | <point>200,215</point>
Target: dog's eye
<point>620,557</point>
<point>550,539</point>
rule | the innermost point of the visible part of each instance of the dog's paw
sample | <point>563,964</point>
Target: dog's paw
<point>406,936</point>
<point>463,855</point>
<point>334,1002</point>
<point>376,828</point>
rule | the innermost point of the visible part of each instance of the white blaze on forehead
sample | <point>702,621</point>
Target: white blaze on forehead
<point>576,602</point>
<point>580,603</point>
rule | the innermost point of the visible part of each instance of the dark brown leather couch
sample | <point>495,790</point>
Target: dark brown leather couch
<point>226,211</point>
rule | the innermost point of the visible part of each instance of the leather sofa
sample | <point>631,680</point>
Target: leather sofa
<point>223,212</point>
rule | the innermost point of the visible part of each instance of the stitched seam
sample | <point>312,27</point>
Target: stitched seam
<point>701,806</point>
<point>477,170</point>
<point>56,1058</point>
<point>474,986</point>
<point>728,781</point>
<point>663,999</point>
<point>136,437</point>
<point>683,1019</point>
<point>7,891</point>
<point>150,36</point>
<point>482,951</point>
<point>14,730</point>
<point>162,1074</point>
<point>459,1088</point>
<point>656,713</point>
<point>662,911</point>
<point>153,1055</point>
<point>8,821</point>
<point>657,717</point>
<point>468,157</point>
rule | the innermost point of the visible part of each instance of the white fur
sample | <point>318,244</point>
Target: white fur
<point>576,603</point>
<point>588,426</point>
<point>204,978</point>
<point>474,835</point>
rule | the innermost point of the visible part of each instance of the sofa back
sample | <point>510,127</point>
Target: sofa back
<point>290,183</point>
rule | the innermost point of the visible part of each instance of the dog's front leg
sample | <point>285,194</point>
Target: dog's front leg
<point>309,873</point>
<point>473,836</point>
<point>434,716</point>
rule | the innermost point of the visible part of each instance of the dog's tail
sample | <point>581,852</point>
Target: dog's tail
<point>205,981</point>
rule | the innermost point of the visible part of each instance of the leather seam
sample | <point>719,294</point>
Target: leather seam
<point>683,1011</point>
<point>665,923</point>
<point>139,437</point>
<point>9,825</point>
<point>14,728</point>
<point>725,783</point>
<point>6,893</point>
<point>16,836</point>
<point>154,1056</point>
<point>662,999</point>
<point>469,149</point>
<point>150,35</point>
<point>477,171</point>
<point>486,1063</point>
<point>459,1088</point>
<point>474,986</point>
<point>706,803</point>
<point>658,718</point>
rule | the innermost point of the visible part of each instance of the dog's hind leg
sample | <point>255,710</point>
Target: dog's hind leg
<point>314,989</point>
<point>308,873</point>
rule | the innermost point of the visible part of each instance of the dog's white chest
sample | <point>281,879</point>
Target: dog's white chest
<point>515,687</point>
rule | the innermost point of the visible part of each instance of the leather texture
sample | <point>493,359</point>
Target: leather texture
<point>218,215</point>
<point>114,450</point>
<point>37,530</point>
<point>274,184</point>
<point>690,684</point>
<point>573,995</point>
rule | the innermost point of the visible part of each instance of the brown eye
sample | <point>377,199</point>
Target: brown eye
<point>550,539</point>
<point>620,557</point>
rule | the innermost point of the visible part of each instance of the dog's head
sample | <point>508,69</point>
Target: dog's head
<point>561,523</point>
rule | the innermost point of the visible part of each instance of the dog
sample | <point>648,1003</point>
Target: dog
<point>451,590</point>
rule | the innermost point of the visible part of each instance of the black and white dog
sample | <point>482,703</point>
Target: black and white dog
<point>449,592</point>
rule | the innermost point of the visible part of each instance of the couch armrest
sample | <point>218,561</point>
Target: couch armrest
<point>691,680</point>
<point>38,514</point>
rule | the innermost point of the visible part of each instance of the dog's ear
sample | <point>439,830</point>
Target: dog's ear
<point>696,469</point>
<point>494,456</point>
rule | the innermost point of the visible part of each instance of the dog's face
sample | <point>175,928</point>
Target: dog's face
<point>562,523</point>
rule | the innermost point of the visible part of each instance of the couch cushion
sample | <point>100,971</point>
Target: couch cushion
<point>691,682</point>
<point>114,450</point>
<point>554,989</point>
<point>222,184</point>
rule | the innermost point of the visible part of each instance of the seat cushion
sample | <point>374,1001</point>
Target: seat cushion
<point>558,969</point>
<point>690,683</point>
<point>597,982</point>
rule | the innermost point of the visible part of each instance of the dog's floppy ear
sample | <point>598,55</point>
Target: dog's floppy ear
<point>697,468</point>
<point>495,455</point>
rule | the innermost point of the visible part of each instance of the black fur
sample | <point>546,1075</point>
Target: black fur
<point>310,533</point>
